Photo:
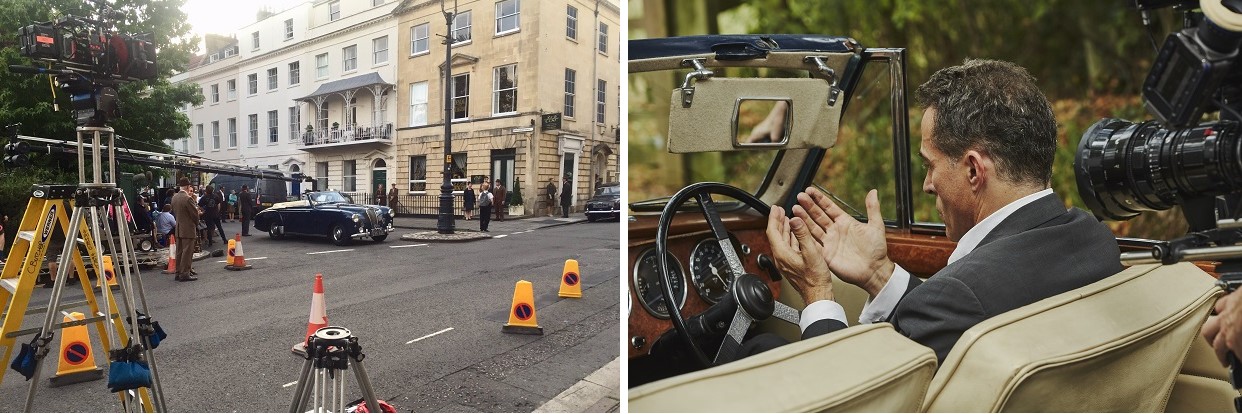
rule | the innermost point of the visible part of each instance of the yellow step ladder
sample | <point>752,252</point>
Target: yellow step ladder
<point>47,210</point>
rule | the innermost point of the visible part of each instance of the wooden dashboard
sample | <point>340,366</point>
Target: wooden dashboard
<point>922,255</point>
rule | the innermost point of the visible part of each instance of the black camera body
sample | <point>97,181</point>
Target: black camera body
<point>1124,168</point>
<point>89,59</point>
<point>87,46</point>
<point>1183,78</point>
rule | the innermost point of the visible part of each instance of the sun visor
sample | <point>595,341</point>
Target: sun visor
<point>731,114</point>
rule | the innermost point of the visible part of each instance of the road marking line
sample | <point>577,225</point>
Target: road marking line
<point>252,258</point>
<point>500,236</point>
<point>289,384</point>
<point>408,245</point>
<point>332,251</point>
<point>428,336</point>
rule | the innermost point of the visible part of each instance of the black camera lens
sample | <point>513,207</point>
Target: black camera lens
<point>1125,168</point>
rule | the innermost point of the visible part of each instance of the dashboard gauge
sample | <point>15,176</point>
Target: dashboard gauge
<point>710,270</point>
<point>649,283</point>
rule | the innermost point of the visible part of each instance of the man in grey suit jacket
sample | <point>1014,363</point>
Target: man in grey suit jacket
<point>989,137</point>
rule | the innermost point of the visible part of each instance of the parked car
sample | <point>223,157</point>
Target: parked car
<point>326,213</point>
<point>606,203</point>
<point>702,280</point>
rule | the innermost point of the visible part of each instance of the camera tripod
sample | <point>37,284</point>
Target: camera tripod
<point>90,202</point>
<point>331,350</point>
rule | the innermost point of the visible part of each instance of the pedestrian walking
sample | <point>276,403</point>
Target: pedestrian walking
<point>499,205</point>
<point>550,196</point>
<point>467,201</point>
<point>392,199</point>
<point>485,206</point>
<point>245,204</point>
<point>187,216</point>
<point>381,199</point>
<point>567,197</point>
<point>211,215</point>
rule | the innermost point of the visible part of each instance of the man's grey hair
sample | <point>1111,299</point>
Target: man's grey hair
<point>994,107</point>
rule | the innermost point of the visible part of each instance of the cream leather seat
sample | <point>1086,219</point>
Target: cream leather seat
<point>1115,345</point>
<point>1202,386</point>
<point>861,368</point>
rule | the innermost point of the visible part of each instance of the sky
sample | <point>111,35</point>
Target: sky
<point>225,16</point>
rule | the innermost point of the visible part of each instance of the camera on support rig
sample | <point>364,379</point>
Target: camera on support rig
<point>89,59</point>
<point>1124,168</point>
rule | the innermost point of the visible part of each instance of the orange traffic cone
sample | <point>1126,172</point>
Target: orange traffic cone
<point>109,273</point>
<point>172,257</point>
<point>77,363</point>
<point>571,280</point>
<point>522,313</point>
<point>232,247</point>
<point>318,315</point>
<point>239,258</point>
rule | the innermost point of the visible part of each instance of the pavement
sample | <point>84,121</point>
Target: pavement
<point>426,228</point>
<point>597,393</point>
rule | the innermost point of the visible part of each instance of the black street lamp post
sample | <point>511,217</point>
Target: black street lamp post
<point>445,223</point>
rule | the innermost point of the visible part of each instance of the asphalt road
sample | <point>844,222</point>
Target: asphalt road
<point>428,317</point>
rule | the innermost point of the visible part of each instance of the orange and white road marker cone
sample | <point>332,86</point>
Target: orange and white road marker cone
<point>109,272</point>
<point>172,257</point>
<point>77,362</point>
<point>232,247</point>
<point>239,258</point>
<point>571,280</point>
<point>318,315</point>
<point>522,313</point>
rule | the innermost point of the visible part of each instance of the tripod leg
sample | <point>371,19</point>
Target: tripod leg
<point>299,394</point>
<point>128,280</point>
<point>338,383</point>
<point>321,390</point>
<point>365,385</point>
<point>62,274</point>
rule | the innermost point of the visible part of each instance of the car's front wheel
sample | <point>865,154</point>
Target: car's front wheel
<point>338,236</point>
<point>379,238</point>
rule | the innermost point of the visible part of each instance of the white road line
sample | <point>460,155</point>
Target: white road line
<point>428,336</point>
<point>332,251</point>
<point>289,384</point>
<point>500,236</point>
<point>407,245</point>
<point>248,258</point>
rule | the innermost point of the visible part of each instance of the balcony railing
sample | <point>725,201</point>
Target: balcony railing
<point>348,135</point>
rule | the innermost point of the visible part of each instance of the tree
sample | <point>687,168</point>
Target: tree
<point>149,108</point>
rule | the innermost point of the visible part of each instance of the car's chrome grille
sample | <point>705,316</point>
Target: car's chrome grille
<point>373,217</point>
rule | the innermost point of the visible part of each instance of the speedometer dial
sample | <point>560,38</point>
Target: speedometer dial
<point>649,284</point>
<point>710,270</point>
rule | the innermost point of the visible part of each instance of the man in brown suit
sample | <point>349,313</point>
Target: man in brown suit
<point>499,204</point>
<point>185,210</point>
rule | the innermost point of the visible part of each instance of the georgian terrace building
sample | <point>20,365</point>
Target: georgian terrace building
<point>515,64</point>
<point>350,93</point>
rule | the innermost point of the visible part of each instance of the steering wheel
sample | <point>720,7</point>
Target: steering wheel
<point>748,298</point>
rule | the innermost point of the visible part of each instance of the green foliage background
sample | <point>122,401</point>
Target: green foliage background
<point>1090,58</point>
<point>149,108</point>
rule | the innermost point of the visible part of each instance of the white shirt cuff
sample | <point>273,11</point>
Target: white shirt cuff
<point>878,308</point>
<point>820,310</point>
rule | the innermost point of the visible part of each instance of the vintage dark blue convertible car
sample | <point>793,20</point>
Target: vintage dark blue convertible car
<point>326,213</point>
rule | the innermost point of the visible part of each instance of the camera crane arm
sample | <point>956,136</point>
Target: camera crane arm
<point>154,159</point>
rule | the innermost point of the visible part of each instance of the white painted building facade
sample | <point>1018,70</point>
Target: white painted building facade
<point>313,86</point>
